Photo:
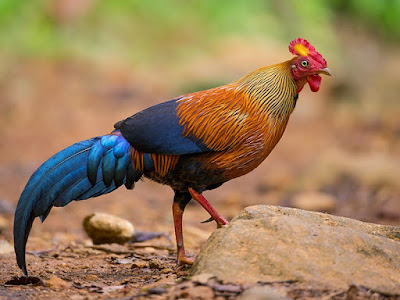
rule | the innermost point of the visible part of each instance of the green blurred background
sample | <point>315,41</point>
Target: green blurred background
<point>70,69</point>
<point>136,31</point>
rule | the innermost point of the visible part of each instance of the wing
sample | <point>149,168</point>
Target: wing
<point>157,130</point>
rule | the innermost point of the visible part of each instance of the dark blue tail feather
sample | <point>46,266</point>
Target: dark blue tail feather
<point>84,170</point>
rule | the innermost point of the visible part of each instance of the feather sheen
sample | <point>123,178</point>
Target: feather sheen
<point>86,169</point>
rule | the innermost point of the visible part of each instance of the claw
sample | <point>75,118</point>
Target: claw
<point>183,262</point>
<point>208,220</point>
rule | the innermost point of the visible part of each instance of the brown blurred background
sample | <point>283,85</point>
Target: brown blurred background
<point>70,69</point>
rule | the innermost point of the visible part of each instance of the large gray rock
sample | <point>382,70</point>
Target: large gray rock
<point>270,243</point>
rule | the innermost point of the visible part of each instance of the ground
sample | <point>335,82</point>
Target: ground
<point>330,148</point>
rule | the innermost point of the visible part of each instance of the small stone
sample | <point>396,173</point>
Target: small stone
<point>155,264</point>
<point>104,229</point>
<point>56,283</point>
<point>139,264</point>
<point>91,277</point>
<point>314,201</point>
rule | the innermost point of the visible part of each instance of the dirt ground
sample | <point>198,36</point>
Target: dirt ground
<point>348,150</point>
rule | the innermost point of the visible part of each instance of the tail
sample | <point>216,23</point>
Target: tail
<point>86,169</point>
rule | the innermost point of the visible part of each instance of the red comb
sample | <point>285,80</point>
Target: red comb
<point>309,49</point>
<point>303,42</point>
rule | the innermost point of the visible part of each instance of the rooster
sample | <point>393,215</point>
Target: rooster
<point>192,143</point>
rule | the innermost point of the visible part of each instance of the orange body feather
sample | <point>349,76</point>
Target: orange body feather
<point>162,163</point>
<point>242,121</point>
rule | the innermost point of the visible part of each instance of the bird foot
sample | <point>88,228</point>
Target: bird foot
<point>183,262</point>
<point>208,207</point>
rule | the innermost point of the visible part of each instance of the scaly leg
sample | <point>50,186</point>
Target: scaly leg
<point>208,207</point>
<point>178,207</point>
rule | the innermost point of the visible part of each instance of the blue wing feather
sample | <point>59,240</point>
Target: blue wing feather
<point>95,156</point>
<point>86,169</point>
<point>121,169</point>
<point>109,163</point>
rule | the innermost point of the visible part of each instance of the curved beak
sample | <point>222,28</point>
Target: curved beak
<point>325,71</point>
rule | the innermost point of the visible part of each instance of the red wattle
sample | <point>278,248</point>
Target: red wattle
<point>314,81</point>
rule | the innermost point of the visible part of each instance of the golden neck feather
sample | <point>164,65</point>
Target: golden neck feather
<point>272,88</point>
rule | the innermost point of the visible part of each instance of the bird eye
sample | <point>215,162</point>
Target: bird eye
<point>305,63</point>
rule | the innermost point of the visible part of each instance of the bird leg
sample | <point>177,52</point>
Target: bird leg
<point>208,207</point>
<point>177,210</point>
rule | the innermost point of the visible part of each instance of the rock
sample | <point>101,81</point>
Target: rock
<point>6,247</point>
<point>269,243</point>
<point>104,228</point>
<point>56,283</point>
<point>314,201</point>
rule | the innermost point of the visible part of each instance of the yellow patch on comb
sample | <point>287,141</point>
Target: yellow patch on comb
<point>301,50</point>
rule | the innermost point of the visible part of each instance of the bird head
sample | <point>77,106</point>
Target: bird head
<point>307,65</point>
